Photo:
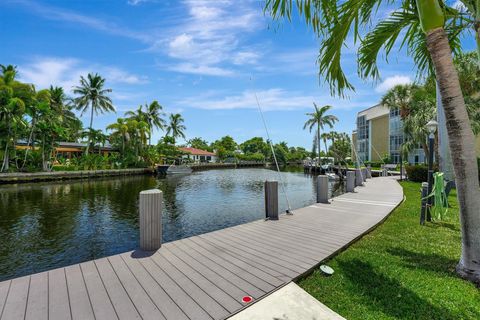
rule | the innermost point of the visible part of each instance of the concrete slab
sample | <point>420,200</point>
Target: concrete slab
<point>288,303</point>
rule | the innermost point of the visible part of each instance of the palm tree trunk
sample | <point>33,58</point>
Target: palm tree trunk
<point>444,156</point>
<point>89,135</point>
<point>318,145</point>
<point>6,156</point>
<point>30,138</point>
<point>461,142</point>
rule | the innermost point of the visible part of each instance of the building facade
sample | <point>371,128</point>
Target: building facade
<point>379,134</point>
<point>198,155</point>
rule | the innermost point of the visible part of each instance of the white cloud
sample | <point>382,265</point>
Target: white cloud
<point>211,37</point>
<point>391,82</point>
<point>201,70</point>
<point>66,72</point>
<point>270,100</point>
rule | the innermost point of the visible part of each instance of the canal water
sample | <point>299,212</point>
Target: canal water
<point>49,225</point>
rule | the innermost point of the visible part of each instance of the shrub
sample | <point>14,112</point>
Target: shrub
<point>418,173</point>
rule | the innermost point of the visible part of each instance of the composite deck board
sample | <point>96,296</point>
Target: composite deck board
<point>207,249</point>
<point>181,298</point>
<point>228,302</point>
<point>37,304</point>
<point>78,295</point>
<point>222,283</point>
<point>205,276</point>
<point>58,299</point>
<point>245,274</point>
<point>17,299</point>
<point>273,243</point>
<point>121,302</point>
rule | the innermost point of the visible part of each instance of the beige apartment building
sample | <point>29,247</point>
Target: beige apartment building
<point>379,133</point>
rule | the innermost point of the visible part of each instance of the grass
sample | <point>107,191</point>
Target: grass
<point>401,270</point>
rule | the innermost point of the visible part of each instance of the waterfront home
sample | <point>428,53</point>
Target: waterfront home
<point>198,155</point>
<point>69,150</point>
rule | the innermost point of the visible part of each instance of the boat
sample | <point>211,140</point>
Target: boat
<point>180,169</point>
<point>332,176</point>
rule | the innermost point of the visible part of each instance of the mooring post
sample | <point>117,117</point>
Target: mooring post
<point>424,209</point>
<point>271,200</point>
<point>322,189</point>
<point>358,177</point>
<point>151,219</point>
<point>350,181</point>
<point>364,174</point>
<point>369,172</point>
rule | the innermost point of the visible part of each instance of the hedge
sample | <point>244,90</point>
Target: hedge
<point>418,173</point>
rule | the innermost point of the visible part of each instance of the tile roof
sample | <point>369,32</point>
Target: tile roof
<point>196,152</point>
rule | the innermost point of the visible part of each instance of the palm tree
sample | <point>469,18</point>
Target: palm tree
<point>154,113</point>
<point>176,128</point>
<point>431,35</point>
<point>91,94</point>
<point>319,118</point>
<point>120,129</point>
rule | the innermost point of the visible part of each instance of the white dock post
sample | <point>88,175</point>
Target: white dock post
<point>151,219</point>
<point>364,174</point>
<point>271,200</point>
<point>350,181</point>
<point>322,189</point>
<point>358,177</point>
<point>369,172</point>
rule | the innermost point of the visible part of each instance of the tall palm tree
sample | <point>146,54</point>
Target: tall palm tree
<point>120,129</point>
<point>175,127</point>
<point>431,31</point>
<point>319,119</point>
<point>154,116</point>
<point>92,94</point>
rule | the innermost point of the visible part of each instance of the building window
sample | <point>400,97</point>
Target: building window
<point>362,138</point>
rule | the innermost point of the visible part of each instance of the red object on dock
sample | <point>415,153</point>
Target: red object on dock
<point>247,299</point>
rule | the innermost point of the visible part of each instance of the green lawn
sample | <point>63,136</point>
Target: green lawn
<point>401,270</point>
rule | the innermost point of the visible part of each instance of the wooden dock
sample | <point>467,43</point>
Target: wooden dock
<point>205,276</point>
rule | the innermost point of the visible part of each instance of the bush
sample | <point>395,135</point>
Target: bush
<point>418,173</point>
<point>374,164</point>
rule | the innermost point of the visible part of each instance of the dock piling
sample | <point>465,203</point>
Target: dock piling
<point>271,200</point>
<point>151,219</point>
<point>350,181</point>
<point>358,177</point>
<point>369,172</point>
<point>364,174</point>
<point>322,189</point>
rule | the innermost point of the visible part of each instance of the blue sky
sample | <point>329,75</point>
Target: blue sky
<point>204,59</point>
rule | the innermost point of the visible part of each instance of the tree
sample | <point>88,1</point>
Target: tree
<point>154,113</point>
<point>199,143</point>
<point>120,131</point>
<point>319,119</point>
<point>431,34</point>
<point>91,94</point>
<point>227,143</point>
<point>175,127</point>
<point>255,145</point>
<point>14,96</point>
<point>341,147</point>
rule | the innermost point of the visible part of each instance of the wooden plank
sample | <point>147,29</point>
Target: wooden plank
<point>162,300</point>
<point>16,303</point>
<point>118,296</point>
<point>281,260</point>
<point>145,306</point>
<point>37,306</point>
<point>202,298</point>
<point>273,244</point>
<point>77,291</point>
<point>4,289</point>
<point>251,258</point>
<point>252,289</point>
<point>187,304</point>
<point>212,288</point>
<point>221,282</point>
<point>101,304</point>
<point>245,273</point>
<point>58,302</point>
<point>220,257</point>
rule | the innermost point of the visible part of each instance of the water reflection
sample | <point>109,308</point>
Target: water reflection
<point>48,225</point>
